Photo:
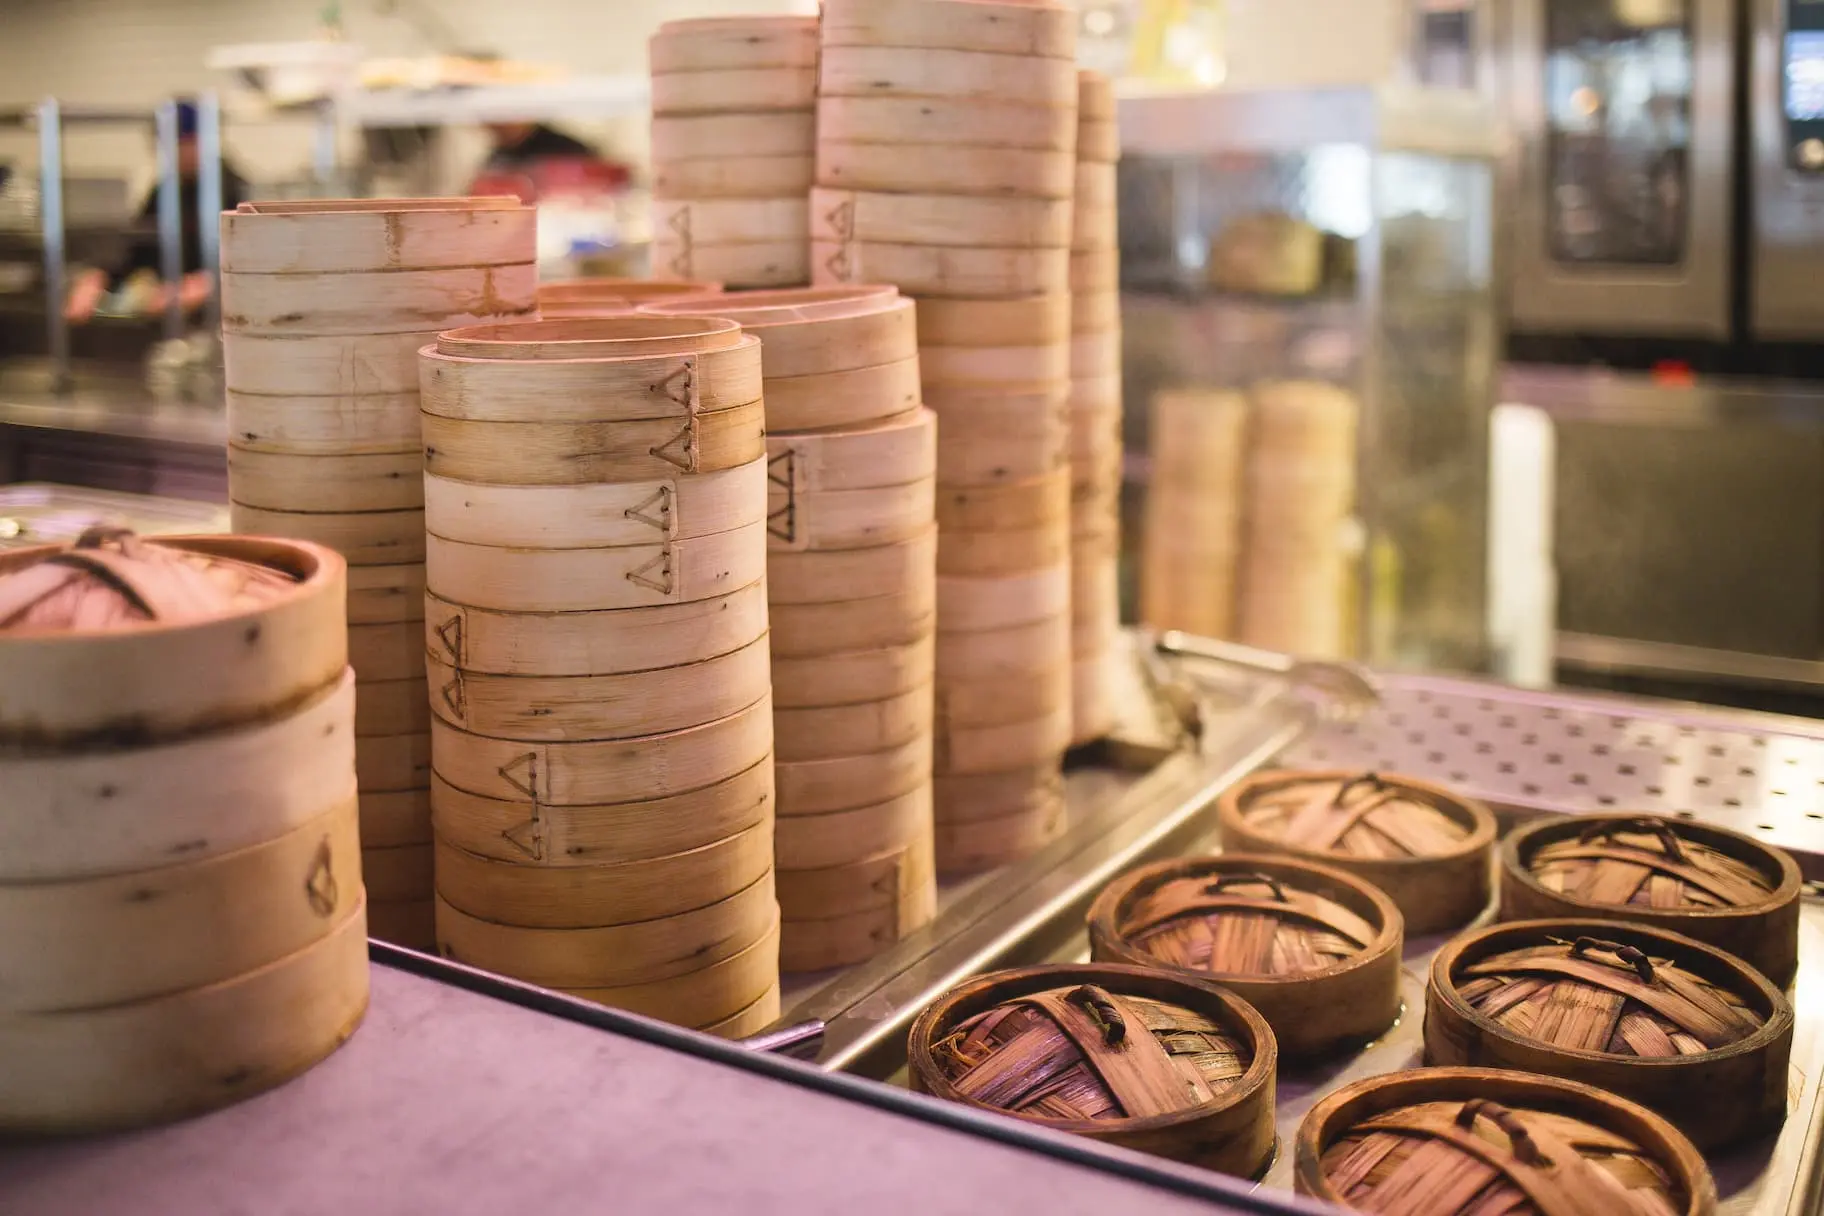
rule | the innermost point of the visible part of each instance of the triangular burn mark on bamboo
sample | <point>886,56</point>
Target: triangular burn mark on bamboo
<point>642,574</point>
<point>782,471</point>
<point>526,837</point>
<point>320,887</point>
<point>842,219</point>
<point>681,448</point>
<point>455,695</point>
<point>680,222</point>
<point>521,773</point>
<point>680,387</point>
<point>450,634</point>
<point>840,264</point>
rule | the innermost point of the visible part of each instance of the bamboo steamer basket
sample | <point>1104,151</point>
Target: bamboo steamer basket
<point>1098,391</point>
<point>1315,951</point>
<point>963,750</point>
<point>937,120</point>
<point>1013,27</point>
<point>942,168</point>
<point>1720,887</point>
<point>396,817</point>
<point>722,222</point>
<point>853,489</point>
<point>821,943</point>
<point>611,955</point>
<point>1093,434</point>
<point>358,235</point>
<point>1650,1016</point>
<point>596,771</point>
<point>523,831</point>
<point>628,576</point>
<point>830,576</point>
<point>966,847</point>
<point>620,706</point>
<point>330,366</point>
<point>386,652</point>
<point>971,605</point>
<point>827,401</point>
<point>972,273</point>
<point>710,43</point>
<point>324,425</point>
<point>1094,270</point>
<point>706,136</point>
<point>1096,188</point>
<point>1127,1036</point>
<point>1449,1140</point>
<point>966,75</point>
<point>1095,312</point>
<point>1021,368</point>
<point>816,842</point>
<point>1015,652</point>
<point>1095,679</point>
<point>830,732</point>
<point>593,643</point>
<point>575,453</point>
<point>1096,100</point>
<point>734,90</point>
<point>987,414</point>
<point>615,337</point>
<point>899,875</point>
<point>1006,551</point>
<point>851,677</point>
<point>1098,141</point>
<point>813,331</point>
<point>1094,225</point>
<point>125,1065</point>
<point>1426,847</point>
<point>587,896</point>
<point>593,390</point>
<point>397,872</point>
<point>819,787</point>
<point>775,263</point>
<point>750,1021</point>
<point>987,462</point>
<point>363,538</point>
<point>569,299</point>
<point>410,923</point>
<point>376,301</point>
<point>734,177</point>
<point>74,815</point>
<point>1097,356</point>
<point>392,707</point>
<point>939,219</point>
<point>264,617</point>
<point>1039,502</point>
<point>385,763</point>
<point>1034,320</point>
<point>980,797</point>
<point>119,938</point>
<point>704,997</point>
<point>814,631</point>
<point>965,704</point>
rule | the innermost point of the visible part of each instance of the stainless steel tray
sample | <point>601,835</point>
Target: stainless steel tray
<point>40,513</point>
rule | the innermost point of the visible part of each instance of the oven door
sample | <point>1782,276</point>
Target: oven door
<point>1788,117</point>
<point>1622,109</point>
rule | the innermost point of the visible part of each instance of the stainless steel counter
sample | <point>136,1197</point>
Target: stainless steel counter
<point>111,435</point>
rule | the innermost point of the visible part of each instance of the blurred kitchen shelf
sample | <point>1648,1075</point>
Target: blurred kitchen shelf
<point>584,97</point>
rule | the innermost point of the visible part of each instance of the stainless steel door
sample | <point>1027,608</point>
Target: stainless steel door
<point>1622,213</point>
<point>1787,110</point>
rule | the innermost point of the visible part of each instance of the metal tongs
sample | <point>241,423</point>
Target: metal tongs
<point>1343,691</point>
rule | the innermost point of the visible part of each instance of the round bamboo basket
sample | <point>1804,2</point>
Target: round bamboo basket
<point>1315,951</point>
<point>598,771</point>
<point>703,997</point>
<point>939,219</point>
<point>1019,368</point>
<point>943,168</point>
<point>397,873</point>
<point>1094,270</point>
<point>264,618</point>
<point>972,605</point>
<point>1650,1016</point>
<point>598,515</point>
<point>964,849</point>
<point>575,453</point>
<point>988,462</point>
<point>734,177</point>
<point>593,643</point>
<point>750,1021</point>
<point>851,677</point>
<point>186,1052</point>
<point>712,43</point>
<point>962,749</point>
<point>707,136</point>
<point>1037,320</point>
<point>1097,357</point>
<point>395,818</point>
<point>830,576</point>
<point>830,732</point>
<point>938,120</point>
<point>386,763</point>
<point>899,875</point>
<point>1012,27</point>
<point>78,814</point>
<point>998,796</point>
<point>386,652</point>
<point>1425,846</point>
<point>734,90</point>
<point>275,238</point>
<point>818,944</point>
<point>819,787</point>
<point>363,538</point>
<point>988,415</point>
<point>376,301</point>
<point>391,707</point>
<point>900,618</point>
<point>1098,141</point>
<point>411,923</point>
<point>617,337</point>
<point>593,389</point>
<point>331,366</point>
<point>620,706</point>
<point>525,832</point>
<point>1449,1140</point>
<point>572,299</point>
<point>973,273</point>
<point>1163,1063</point>
<point>852,489</point>
<point>969,75</point>
<point>324,425</point>
<point>1719,887</point>
<point>826,401</point>
<point>1041,503</point>
<point>721,222</point>
<point>1015,652</point>
<point>740,264</point>
<point>1096,188</point>
<point>1094,684</point>
<point>816,842</point>
<point>1095,312</point>
<point>812,331</point>
<point>964,704</point>
<point>611,955</point>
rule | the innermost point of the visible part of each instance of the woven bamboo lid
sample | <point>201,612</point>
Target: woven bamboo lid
<point>1441,1141</point>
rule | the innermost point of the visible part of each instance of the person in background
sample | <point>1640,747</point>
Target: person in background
<point>521,145</point>
<point>92,285</point>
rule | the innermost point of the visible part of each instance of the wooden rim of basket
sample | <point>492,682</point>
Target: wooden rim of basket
<point>586,389</point>
<point>1342,1111</point>
<point>780,40</point>
<point>987,75</point>
<point>346,241</point>
<point>308,206</point>
<point>1014,27</point>
<point>1715,966</point>
<point>840,214</point>
<point>1523,844</point>
<point>1203,997</point>
<point>1116,900</point>
<point>1458,806</point>
<point>608,290</point>
<point>785,305</point>
<point>895,451</point>
<point>986,124</point>
<point>623,336</point>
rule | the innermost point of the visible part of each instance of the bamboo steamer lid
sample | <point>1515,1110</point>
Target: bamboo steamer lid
<point>390,301</point>
<point>620,706</point>
<point>611,955</point>
<point>1447,1140</point>
<point>813,331</point>
<point>813,842</point>
<point>587,896</point>
<point>397,872</point>
<point>833,731</point>
<point>1036,791</point>
<point>575,453</point>
<point>392,707</point>
<point>707,43</point>
<point>706,136</point>
<point>276,238</point>
<point>971,605</point>
<point>832,575</point>
<point>265,618</point>
<point>750,1021</point>
<point>1651,1016</point>
<point>1033,320</point>
<point>593,391</point>
<point>396,817</point>
<point>1719,887</point>
<point>939,219</point>
<point>974,273</point>
<point>704,996</point>
<point>770,263</point>
<point>1426,847</point>
<point>988,844</point>
<point>851,677</point>
<point>594,643</point>
<point>718,221</point>
<point>1146,1060</point>
<point>179,1054</point>
<point>1315,951</point>
<point>938,120</point>
<point>386,652</point>
<point>819,944</point>
<point>817,787</point>
<point>1010,27</point>
<point>994,749</point>
<point>120,938</point>
<point>942,168</point>
<point>1011,653</point>
<point>393,762</point>
<point>966,704</point>
<point>568,299</point>
<point>734,90</point>
<point>522,831</point>
<point>331,365</point>
<point>586,772</point>
<point>734,177</point>
<point>969,75</point>
<point>410,923</point>
<point>324,425</point>
<point>810,631</point>
<point>363,538</point>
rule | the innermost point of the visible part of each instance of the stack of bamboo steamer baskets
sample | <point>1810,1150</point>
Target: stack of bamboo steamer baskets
<point>733,131</point>
<point>851,580</point>
<point>1095,414</point>
<point>324,306</point>
<point>1192,533</point>
<point>568,298</point>
<point>596,502</point>
<point>182,922</point>
<point>946,164</point>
